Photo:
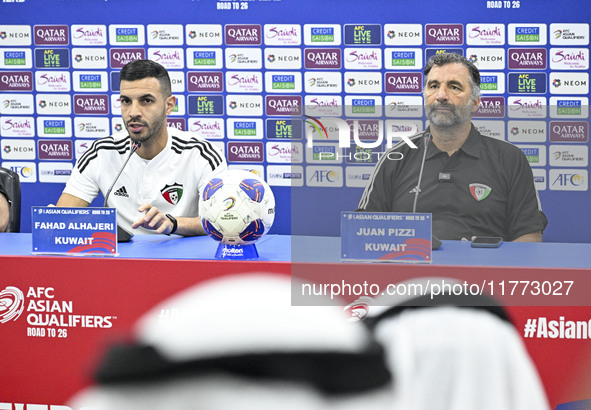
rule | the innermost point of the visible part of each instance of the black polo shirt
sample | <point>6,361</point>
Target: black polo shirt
<point>484,188</point>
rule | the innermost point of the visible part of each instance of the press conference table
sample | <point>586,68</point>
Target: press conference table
<point>44,367</point>
<point>284,248</point>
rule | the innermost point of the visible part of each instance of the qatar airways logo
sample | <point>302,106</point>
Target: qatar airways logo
<point>440,34</point>
<point>243,34</point>
<point>205,81</point>
<point>91,104</point>
<point>121,56</point>
<point>16,81</point>
<point>51,35</point>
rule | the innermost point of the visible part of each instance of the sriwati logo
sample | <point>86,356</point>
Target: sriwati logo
<point>317,125</point>
<point>12,304</point>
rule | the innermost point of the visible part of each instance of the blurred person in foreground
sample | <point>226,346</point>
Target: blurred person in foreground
<point>158,191</point>
<point>237,343</point>
<point>472,184</point>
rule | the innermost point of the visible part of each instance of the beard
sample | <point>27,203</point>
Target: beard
<point>151,129</point>
<point>457,114</point>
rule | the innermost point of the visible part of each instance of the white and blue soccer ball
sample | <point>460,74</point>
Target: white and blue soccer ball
<point>237,207</point>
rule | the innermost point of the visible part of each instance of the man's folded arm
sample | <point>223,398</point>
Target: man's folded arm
<point>68,200</point>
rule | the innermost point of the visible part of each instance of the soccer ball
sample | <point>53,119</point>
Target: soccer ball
<point>237,207</point>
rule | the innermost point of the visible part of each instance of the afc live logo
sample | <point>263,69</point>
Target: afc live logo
<point>363,34</point>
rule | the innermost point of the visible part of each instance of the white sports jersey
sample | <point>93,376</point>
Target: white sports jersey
<point>171,181</point>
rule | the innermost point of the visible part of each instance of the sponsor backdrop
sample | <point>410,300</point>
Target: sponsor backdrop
<point>245,73</point>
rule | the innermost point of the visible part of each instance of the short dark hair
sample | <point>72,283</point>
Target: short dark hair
<point>140,69</point>
<point>450,58</point>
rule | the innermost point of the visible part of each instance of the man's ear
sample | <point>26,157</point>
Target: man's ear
<point>476,105</point>
<point>170,103</point>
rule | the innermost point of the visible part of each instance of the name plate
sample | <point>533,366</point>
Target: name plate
<point>73,231</point>
<point>386,237</point>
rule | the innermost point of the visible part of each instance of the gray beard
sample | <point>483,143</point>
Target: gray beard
<point>459,114</point>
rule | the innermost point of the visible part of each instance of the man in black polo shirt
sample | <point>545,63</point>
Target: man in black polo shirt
<point>4,209</point>
<point>472,184</point>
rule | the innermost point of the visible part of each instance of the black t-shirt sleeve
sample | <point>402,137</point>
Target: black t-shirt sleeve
<point>524,214</point>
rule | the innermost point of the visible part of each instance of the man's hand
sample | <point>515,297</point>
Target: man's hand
<point>154,220</point>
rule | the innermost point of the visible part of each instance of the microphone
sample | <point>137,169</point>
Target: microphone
<point>435,242</point>
<point>134,147</point>
<point>426,139</point>
<point>122,234</point>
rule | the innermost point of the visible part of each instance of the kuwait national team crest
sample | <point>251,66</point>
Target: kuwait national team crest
<point>172,193</point>
<point>480,191</point>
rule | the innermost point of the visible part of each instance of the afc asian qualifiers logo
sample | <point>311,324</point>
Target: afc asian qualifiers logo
<point>12,304</point>
<point>172,193</point>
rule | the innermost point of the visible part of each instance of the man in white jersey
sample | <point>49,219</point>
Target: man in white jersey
<point>158,191</point>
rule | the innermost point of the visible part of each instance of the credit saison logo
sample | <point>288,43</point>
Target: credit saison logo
<point>322,34</point>
<point>568,107</point>
<point>204,58</point>
<point>14,58</point>
<point>54,127</point>
<point>126,35</point>
<point>527,34</point>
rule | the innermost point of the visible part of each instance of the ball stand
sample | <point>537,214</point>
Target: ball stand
<point>236,252</point>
